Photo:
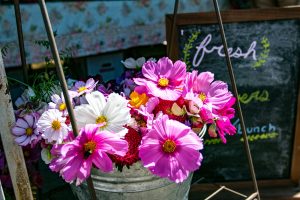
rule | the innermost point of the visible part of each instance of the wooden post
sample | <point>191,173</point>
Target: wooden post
<point>13,153</point>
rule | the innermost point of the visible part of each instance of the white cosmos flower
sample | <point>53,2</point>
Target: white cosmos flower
<point>131,63</point>
<point>52,126</point>
<point>111,113</point>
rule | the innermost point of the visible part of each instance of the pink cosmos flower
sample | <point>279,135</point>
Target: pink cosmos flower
<point>163,79</point>
<point>25,129</point>
<point>82,87</point>
<point>205,91</point>
<point>171,149</point>
<point>76,158</point>
<point>223,116</point>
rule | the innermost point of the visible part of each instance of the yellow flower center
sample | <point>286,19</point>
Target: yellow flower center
<point>56,125</point>
<point>202,96</point>
<point>62,107</point>
<point>101,119</point>
<point>169,146</point>
<point>81,89</point>
<point>138,99</point>
<point>89,146</point>
<point>163,82</point>
<point>29,131</point>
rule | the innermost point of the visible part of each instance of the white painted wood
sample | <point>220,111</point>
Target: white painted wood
<point>2,197</point>
<point>13,152</point>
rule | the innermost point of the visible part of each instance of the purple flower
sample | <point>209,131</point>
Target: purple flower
<point>82,87</point>
<point>25,129</point>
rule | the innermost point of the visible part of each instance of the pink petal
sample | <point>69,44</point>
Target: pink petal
<point>84,171</point>
<point>111,143</point>
<point>102,161</point>
<point>168,93</point>
<point>178,73</point>
<point>203,81</point>
<point>190,159</point>
<point>190,141</point>
<point>165,67</point>
<point>176,129</point>
<point>71,169</point>
<point>150,153</point>
<point>149,71</point>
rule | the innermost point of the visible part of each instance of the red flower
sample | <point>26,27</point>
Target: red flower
<point>165,107</point>
<point>134,139</point>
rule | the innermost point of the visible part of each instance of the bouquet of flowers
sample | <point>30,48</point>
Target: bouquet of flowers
<point>156,113</point>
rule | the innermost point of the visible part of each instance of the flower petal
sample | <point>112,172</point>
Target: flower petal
<point>102,161</point>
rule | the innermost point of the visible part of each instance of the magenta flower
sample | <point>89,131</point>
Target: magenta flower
<point>163,79</point>
<point>171,149</point>
<point>223,116</point>
<point>90,147</point>
<point>224,127</point>
<point>25,129</point>
<point>82,87</point>
<point>206,91</point>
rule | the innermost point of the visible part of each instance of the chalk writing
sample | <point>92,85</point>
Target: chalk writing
<point>263,136</point>
<point>260,96</point>
<point>266,128</point>
<point>203,49</point>
<point>187,47</point>
<point>264,54</point>
<point>212,141</point>
<point>251,138</point>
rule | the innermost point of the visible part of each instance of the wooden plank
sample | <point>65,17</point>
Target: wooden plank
<point>13,152</point>
<point>229,16</point>
<point>269,190</point>
<point>238,16</point>
<point>295,169</point>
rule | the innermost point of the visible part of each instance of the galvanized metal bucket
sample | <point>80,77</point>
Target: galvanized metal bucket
<point>136,183</point>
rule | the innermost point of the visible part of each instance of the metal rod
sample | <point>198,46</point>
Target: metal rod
<point>215,193</point>
<point>252,196</point>
<point>173,29</point>
<point>62,79</point>
<point>235,91</point>
<point>21,39</point>
<point>235,192</point>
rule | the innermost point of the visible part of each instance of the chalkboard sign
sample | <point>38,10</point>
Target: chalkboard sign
<point>264,47</point>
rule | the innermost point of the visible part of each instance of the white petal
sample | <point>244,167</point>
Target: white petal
<point>55,98</point>
<point>85,115</point>
<point>97,101</point>
<point>129,63</point>
<point>140,61</point>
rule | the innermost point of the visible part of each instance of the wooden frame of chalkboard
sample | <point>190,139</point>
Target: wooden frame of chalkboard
<point>236,17</point>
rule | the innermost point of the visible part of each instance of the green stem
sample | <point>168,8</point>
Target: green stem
<point>12,79</point>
